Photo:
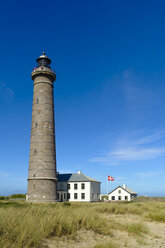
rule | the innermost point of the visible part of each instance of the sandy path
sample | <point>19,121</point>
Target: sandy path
<point>87,239</point>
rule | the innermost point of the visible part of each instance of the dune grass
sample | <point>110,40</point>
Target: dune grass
<point>136,229</point>
<point>158,216</point>
<point>109,244</point>
<point>28,225</point>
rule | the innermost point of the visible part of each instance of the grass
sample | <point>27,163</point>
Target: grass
<point>109,244</point>
<point>136,229</point>
<point>156,216</point>
<point>28,225</point>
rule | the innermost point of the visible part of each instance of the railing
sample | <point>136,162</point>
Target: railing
<point>43,68</point>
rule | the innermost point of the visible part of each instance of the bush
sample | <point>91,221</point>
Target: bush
<point>14,196</point>
<point>4,197</point>
<point>104,197</point>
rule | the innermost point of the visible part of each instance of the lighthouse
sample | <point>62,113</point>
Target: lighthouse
<point>42,181</point>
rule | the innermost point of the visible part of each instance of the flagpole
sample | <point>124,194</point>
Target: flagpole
<point>107,184</point>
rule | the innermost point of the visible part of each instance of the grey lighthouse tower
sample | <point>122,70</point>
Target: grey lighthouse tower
<point>42,182</point>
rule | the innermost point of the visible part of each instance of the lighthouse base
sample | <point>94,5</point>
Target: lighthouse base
<point>41,190</point>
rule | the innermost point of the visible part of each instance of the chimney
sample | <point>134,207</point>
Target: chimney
<point>124,186</point>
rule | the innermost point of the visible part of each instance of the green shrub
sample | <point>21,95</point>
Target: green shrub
<point>4,197</point>
<point>104,197</point>
<point>18,196</point>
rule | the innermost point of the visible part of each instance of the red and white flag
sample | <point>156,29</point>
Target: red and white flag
<point>110,178</point>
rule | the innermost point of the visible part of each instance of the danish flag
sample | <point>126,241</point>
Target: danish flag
<point>110,178</point>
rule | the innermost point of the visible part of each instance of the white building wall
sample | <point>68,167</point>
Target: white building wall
<point>79,191</point>
<point>117,194</point>
<point>91,191</point>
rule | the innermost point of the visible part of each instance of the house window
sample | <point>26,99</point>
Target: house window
<point>64,195</point>
<point>82,195</point>
<point>113,198</point>
<point>68,195</point>
<point>75,195</point>
<point>119,198</point>
<point>83,186</point>
<point>68,186</point>
<point>126,198</point>
<point>119,191</point>
<point>75,186</point>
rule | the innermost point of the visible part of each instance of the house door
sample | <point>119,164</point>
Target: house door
<point>61,197</point>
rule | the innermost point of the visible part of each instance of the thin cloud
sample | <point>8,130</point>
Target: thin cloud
<point>120,178</point>
<point>136,153</point>
<point>151,138</point>
<point>103,160</point>
<point>3,174</point>
<point>149,174</point>
<point>20,179</point>
<point>132,92</point>
<point>143,148</point>
<point>5,92</point>
<point>129,154</point>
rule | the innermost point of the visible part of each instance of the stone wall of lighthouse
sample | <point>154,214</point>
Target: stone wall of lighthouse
<point>42,181</point>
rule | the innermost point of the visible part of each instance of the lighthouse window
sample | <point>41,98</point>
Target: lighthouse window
<point>37,100</point>
<point>35,151</point>
<point>36,124</point>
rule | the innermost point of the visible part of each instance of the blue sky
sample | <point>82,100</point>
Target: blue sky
<point>109,59</point>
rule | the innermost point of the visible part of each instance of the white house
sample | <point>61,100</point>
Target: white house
<point>122,194</point>
<point>77,187</point>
